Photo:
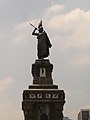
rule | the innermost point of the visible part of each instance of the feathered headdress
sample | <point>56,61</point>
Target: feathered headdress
<point>40,24</point>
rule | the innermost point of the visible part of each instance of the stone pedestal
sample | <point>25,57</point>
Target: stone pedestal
<point>42,72</point>
<point>43,100</point>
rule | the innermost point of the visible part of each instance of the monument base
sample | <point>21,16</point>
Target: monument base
<point>43,100</point>
<point>40,103</point>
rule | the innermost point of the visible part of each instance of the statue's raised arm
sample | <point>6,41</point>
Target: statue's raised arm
<point>43,41</point>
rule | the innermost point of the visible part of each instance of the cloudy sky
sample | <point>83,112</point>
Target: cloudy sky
<point>67,23</point>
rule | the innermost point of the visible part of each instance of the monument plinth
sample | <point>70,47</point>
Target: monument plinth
<point>43,100</point>
<point>42,72</point>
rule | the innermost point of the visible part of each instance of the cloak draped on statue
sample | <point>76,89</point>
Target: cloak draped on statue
<point>43,45</point>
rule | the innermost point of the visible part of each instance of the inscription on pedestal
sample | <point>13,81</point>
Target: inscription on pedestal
<point>43,95</point>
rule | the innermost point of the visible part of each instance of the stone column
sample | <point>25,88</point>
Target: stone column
<point>59,111</point>
<point>27,109</point>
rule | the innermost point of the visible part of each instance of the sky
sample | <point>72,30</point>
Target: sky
<point>67,23</point>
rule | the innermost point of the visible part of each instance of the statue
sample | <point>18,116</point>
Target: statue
<point>43,41</point>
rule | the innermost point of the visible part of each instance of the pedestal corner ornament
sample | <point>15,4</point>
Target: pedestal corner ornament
<point>43,100</point>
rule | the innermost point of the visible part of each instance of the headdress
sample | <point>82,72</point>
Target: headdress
<point>40,24</point>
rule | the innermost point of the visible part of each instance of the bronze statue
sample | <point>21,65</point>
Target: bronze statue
<point>43,41</point>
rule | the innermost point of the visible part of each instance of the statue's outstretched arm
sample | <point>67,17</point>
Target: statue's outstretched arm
<point>34,33</point>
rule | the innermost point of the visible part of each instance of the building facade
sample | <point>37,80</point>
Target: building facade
<point>84,114</point>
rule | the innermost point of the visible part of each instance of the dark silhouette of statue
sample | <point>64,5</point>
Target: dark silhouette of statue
<point>43,42</point>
